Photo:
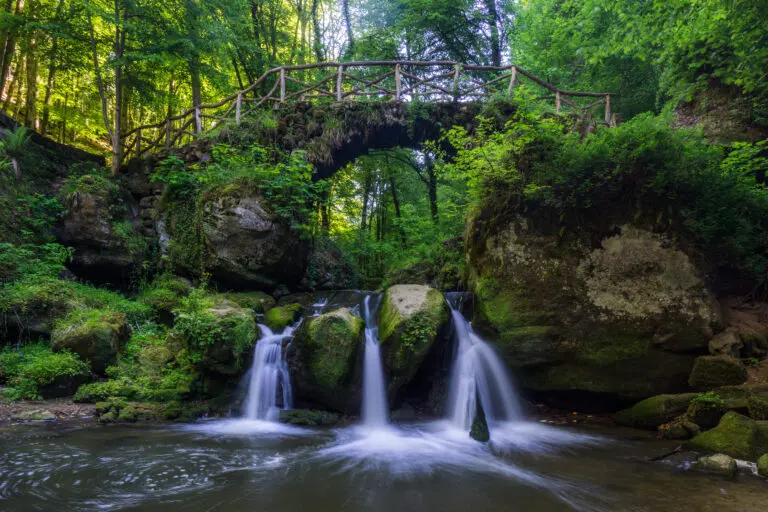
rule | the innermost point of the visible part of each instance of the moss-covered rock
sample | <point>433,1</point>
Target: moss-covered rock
<point>165,294</point>
<point>34,415</point>
<point>711,372</point>
<point>762,465</point>
<point>259,302</point>
<point>616,311</point>
<point>655,411</point>
<point>719,463</point>
<point>323,359</point>
<point>308,418</point>
<point>679,428</point>
<point>758,408</point>
<point>727,343</point>
<point>278,319</point>
<point>735,435</point>
<point>412,318</point>
<point>705,414</point>
<point>95,335</point>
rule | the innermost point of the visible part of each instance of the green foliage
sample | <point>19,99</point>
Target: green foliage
<point>719,201</point>
<point>32,261</point>
<point>29,368</point>
<point>710,399</point>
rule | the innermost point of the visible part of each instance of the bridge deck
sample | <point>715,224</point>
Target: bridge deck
<point>432,81</point>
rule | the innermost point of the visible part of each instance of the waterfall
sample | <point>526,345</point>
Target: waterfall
<point>375,413</point>
<point>478,372</point>
<point>269,375</point>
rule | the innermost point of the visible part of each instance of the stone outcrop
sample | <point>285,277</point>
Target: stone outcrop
<point>618,312</point>
<point>412,318</point>
<point>94,335</point>
<point>710,372</point>
<point>324,357</point>
<point>735,435</point>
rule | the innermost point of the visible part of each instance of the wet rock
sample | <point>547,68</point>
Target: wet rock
<point>655,411</point>
<point>323,358</point>
<point>479,431</point>
<point>727,343</point>
<point>711,372</point>
<point>719,463</point>
<point>278,319</point>
<point>412,317</point>
<point>328,268</point>
<point>308,418</point>
<point>757,407</point>
<point>33,415</point>
<point>259,302</point>
<point>705,414</point>
<point>404,413</point>
<point>735,435</point>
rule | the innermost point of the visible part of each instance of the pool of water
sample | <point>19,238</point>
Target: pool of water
<point>254,466</point>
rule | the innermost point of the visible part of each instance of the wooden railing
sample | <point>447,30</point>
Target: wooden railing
<point>372,80</point>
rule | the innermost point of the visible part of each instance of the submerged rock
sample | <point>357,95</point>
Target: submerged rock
<point>655,411</point>
<point>309,418</point>
<point>719,463</point>
<point>479,431</point>
<point>711,372</point>
<point>34,415</point>
<point>735,435</point>
<point>323,359</point>
<point>412,318</point>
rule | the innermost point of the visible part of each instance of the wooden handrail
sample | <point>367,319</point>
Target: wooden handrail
<point>406,85</point>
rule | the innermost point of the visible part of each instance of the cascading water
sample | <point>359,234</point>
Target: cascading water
<point>375,413</point>
<point>478,372</point>
<point>269,375</point>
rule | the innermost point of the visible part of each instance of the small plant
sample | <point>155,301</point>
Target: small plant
<point>710,399</point>
<point>751,361</point>
<point>27,370</point>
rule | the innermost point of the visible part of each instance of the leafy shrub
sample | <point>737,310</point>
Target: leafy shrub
<point>710,398</point>
<point>29,368</point>
<point>17,261</point>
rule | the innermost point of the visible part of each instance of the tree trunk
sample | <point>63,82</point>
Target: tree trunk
<point>194,57</point>
<point>350,51</point>
<point>30,109</point>
<point>396,203</point>
<point>317,42</point>
<point>432,187</point>
<point>493,23</point>
<point>9,46</point>
<point>366,193</point>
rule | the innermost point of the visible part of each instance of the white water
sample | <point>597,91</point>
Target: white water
<point>375,410</point>
<point>269,375</point>
<point>478,372</point>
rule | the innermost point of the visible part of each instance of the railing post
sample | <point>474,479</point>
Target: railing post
<point>557,101</point>
<point>456,74</point>
<point>339,80</point>
<point>238,108</point>
<point>138,142</point>
<point>198,121</point>
<point>397,82</point>
<point>607,108</point>
<point>282,85</point>
<point>168,130</point>
<point>512,80</point>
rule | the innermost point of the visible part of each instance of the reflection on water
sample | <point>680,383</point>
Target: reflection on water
<point>246,465</point>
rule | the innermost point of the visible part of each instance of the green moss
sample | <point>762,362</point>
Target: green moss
<point>762,465</point>
<point>710,372</point>
<point>94,334</point>
<point>614,346</point>
<point>259,302</point>
<point>331,344</point>
<point>165,293</point>
<point>31,372</point>
<point>278,319</point>
<point>654,411</point>
<point>735,435</point>
<point>758,408</point>
<point>411,318</point>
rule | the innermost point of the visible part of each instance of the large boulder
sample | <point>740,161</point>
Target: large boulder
<point>95,335</point>
<point>727,343</point>
<point>762,465</point>
<point>246,242</point>
<point>719,463</point>
<point>323,360</point>
<point>735,435</point>
<point>412,318</point>
<point>106,245</point>
<point>615,311</point>
<point>711,372</point>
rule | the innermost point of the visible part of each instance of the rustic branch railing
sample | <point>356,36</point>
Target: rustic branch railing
<point>378,80</point>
